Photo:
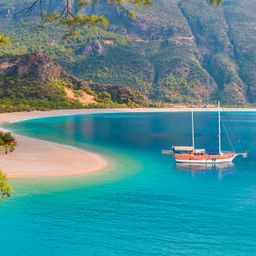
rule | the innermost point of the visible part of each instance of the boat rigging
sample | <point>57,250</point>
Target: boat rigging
<point>190,154</point>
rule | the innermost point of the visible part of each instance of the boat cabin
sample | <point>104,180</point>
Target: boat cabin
<point>179,150</point>
<point>199,152</point>
<point>182,149</point>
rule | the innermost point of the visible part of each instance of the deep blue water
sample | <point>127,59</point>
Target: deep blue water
<point>144,204</point>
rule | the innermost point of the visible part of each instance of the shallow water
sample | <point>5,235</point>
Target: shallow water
<point>143,205</point>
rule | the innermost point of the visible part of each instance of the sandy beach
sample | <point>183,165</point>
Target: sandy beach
<point>36,158</point>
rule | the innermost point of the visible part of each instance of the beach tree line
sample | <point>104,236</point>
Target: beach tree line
<point>5,188</point>
<point>7,141</point>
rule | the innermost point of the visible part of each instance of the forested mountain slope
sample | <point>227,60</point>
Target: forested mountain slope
<point>35,82</point>
<point>177,51</point>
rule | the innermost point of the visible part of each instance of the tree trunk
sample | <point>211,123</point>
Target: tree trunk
<point>69,7</point>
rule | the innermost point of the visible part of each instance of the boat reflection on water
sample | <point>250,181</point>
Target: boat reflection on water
<point>222,168</point>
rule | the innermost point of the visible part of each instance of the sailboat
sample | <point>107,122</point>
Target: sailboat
<point>192,155</point>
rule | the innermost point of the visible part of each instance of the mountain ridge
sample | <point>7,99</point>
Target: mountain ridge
<point>175,51</point>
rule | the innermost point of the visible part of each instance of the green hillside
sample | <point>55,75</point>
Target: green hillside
<point>175,51</point>
<point>35,82</point>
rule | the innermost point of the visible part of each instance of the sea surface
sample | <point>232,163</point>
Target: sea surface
<point>143,204</point>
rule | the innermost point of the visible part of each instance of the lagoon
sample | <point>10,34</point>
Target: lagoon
<point>144,204</point>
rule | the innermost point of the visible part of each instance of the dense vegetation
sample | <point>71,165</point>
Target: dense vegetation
<point>5,189</point>
<point>201,48</point>
<point>176,90</point>
<point>8,142</point>
<point>35,82</point>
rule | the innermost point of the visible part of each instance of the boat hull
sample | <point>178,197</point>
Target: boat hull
<point>206,159</point>
<point>228,160</point>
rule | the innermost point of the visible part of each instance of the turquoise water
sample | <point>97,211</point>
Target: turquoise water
<point>144,204</point>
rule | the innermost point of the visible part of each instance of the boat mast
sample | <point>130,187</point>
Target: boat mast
<point>193,129</point>
<point>219,134</point>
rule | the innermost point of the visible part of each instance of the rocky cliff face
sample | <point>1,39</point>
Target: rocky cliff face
<point>205,45</point>
<point>36,82</point>
<point>14,9</point>
<point>93,48</point>
<point>187,40</point>
<point>39,67</point>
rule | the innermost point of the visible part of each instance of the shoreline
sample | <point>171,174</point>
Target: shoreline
<point>34,158</point>
<point>22,116</point>
<point>13,117</point>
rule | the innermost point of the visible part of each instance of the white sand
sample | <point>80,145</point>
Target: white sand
<point>36,158</point>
